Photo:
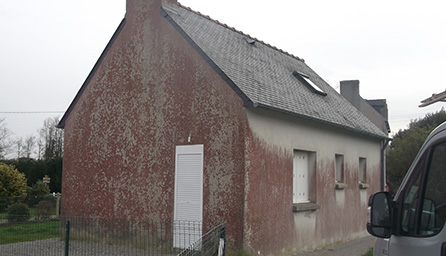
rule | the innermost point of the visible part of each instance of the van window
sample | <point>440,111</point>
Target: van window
<point>427,216</point>
<point>434,206</point>
<point>411,197</point>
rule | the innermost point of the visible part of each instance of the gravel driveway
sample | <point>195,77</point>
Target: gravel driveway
<point>56,247</point>
<point>356,247</point>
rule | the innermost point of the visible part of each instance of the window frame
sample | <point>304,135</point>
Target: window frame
<point>305,79</point>
<point>339,171</point>
<point>362,171</point>
<point>297,179</point>
<point>310,203</point>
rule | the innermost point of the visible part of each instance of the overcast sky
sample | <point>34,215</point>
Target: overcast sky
<point>397,49</point>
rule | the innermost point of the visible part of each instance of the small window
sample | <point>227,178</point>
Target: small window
<point>300,177</point>
<point>304,165</point>
<point>308,83</point>
<point>362,175</point>
<point>250,41</point>
<point>339,168</point>
<point>304,181</point>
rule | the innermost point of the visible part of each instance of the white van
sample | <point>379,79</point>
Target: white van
<point>412,222</point>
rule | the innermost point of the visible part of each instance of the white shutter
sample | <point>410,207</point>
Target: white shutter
<point>188,205</point>
<point>300,177</point>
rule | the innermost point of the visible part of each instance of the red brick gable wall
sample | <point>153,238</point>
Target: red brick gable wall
<point>151,92</point>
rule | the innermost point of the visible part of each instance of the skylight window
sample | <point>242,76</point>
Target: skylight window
<point>250,41</point>
<point>308,83</point>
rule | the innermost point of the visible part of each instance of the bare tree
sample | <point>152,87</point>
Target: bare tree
<point>5,142</point>
<point>19,147</point>
<point>52,139</point>
<point>40,148</point>
<point>29,146</point>
<point>25,148</point>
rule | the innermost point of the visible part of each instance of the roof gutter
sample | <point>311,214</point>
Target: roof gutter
<point>376,136</point>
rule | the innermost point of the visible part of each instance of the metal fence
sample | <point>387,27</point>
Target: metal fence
<point>211,243</point>
<point>102,236</point>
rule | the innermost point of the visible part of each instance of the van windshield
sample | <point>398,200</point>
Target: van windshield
<point>424,210</point>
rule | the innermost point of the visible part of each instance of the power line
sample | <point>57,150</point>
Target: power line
<point>31,112</point>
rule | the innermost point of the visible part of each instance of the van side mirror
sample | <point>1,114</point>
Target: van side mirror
<point>379,221</point>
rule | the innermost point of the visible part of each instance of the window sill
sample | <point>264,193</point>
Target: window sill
<point>363,185</point>
<point>303,207</point>
<point>340,185</point>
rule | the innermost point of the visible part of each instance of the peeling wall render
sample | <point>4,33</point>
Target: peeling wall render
<point>270,144</point>
<point>151,92</point>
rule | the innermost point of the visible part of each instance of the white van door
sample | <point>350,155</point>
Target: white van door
<point>422,199</point>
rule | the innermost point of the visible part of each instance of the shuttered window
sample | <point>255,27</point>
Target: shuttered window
<point>188,206</point>
<point>300,177</point>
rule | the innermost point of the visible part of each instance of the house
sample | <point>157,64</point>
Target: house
<point>184,118</point>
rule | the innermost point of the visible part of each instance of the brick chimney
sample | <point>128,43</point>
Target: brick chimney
<point>137,9</point>
<point>169,3</point>
<point>350,91</point>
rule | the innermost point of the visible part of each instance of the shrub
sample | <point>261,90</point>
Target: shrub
<point>39,191</point>
<point>18,213</point>
<point>44,209</point>
<point>12,185</point>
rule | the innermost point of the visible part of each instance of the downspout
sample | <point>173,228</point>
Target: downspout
<point>384,144</point>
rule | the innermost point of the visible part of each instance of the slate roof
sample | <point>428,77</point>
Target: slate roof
<point>263,75</point>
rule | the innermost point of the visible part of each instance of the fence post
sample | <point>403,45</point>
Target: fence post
<point>67,237</point>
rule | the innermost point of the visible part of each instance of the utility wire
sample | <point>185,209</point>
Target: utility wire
<point>31,112</point>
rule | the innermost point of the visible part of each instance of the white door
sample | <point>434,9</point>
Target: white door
<point>300,177</point>
<point>188,205</point>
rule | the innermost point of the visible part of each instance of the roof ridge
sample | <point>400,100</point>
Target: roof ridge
<point>240,32</point>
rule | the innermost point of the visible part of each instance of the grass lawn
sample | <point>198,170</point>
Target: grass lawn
<point>29,231</point>
<point>369,252</point>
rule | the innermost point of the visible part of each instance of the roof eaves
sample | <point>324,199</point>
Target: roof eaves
<point>357,131</point>
<point>246,100</point>
<point>61,124</point>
